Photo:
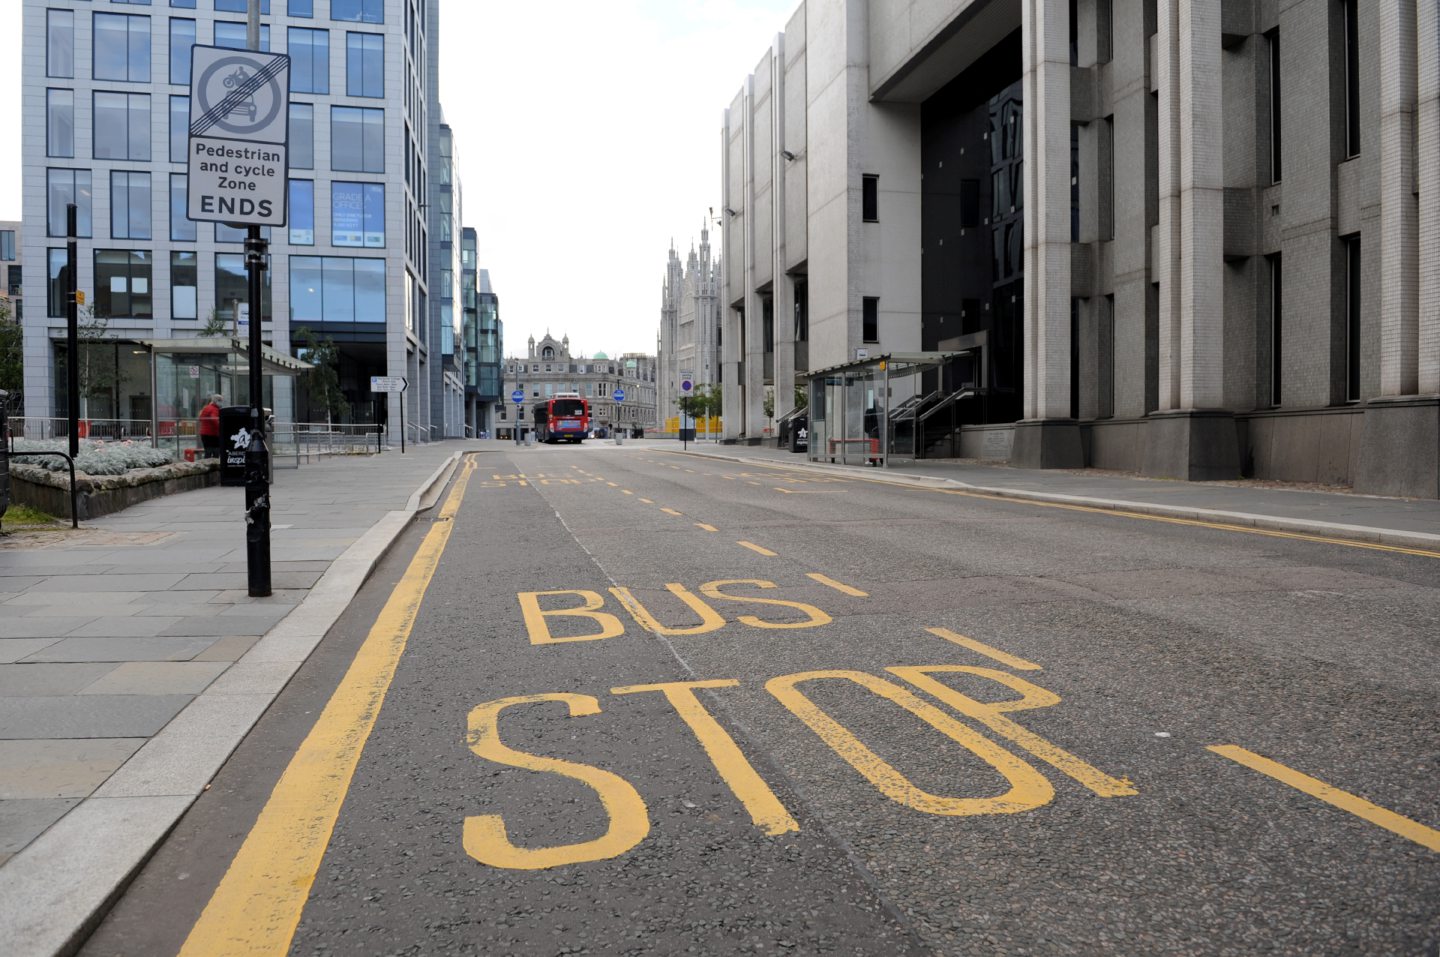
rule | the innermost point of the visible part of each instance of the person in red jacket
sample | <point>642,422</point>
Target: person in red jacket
<point>210,426</point>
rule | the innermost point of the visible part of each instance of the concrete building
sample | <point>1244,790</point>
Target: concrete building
<point>447,336</point>
<point>689,323</point>
<point>1193,238</point>
<point>105,108</point>
<point>12,285</point>
<point>549,367</point>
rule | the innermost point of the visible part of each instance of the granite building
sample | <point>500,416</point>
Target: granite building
<point>689,323</point>
<point>1192,238</point>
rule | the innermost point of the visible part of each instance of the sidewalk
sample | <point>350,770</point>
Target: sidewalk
<point>1407,523</point>
<point>132,661</point>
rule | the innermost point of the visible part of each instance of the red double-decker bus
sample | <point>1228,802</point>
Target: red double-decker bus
<point>564,417</point>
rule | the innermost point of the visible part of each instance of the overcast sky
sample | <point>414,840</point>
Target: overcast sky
<point>588,135</point>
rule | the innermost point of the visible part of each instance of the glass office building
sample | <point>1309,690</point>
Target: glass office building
<point>105,97</point>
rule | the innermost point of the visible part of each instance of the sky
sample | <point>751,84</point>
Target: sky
<point>588,136</point>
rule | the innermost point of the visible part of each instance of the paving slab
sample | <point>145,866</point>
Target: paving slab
<point>221,626</point>
<point>88,716</point>
<point>229,648</point>
<point>92,583</point>
<point>41,680</point>
<point>123,649</point>
<point>14,649</point>
<point>23,821</point>
<point>65,768</point>
<point>110,626</point>
<point>157,677</point>
<point>23,626</point>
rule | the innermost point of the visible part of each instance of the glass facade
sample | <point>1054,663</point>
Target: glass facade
<point>123,284</point>
<point>121,48</point>
<point>336,289</point>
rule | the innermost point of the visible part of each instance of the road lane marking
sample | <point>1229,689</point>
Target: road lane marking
<point>1019,664</point>
<point>627,491</point>
<point>483,836</point>
<point>832,583</point>
<point>810,491</point>
<point>613,484</point>
<point>708,528</point>
<point>1424,836</point>
<point>989,714</point>
<point>257,905</point>
<point>757,548</point>
<point>739,774</point>
<point>648,501</point>
<point>1029,789</point>
<point>671,511</point>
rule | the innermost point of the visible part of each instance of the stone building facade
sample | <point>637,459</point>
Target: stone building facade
<point>548,367</point>
<point>689,323</point>
<point>1192,238</point>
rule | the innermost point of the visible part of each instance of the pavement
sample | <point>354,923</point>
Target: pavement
<point>132,661</point>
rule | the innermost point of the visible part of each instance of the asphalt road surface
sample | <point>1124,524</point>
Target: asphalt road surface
<point>662,704</point>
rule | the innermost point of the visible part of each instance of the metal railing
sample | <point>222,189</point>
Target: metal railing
<point>293,443</point>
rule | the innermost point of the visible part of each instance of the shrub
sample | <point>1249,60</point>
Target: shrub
<point>96,458</point>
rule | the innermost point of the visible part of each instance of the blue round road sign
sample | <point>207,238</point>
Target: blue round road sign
<point>619,395</point>
<point>518,396</point>
<point>686,385</point>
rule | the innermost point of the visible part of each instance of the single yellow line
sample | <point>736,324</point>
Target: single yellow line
<point>756,548</point>
<point>258,904</point>
<point>671,511</point>
<point>1358,806</point>
<point>708,528</point>
<point>1019,664</point>
<point>832,583</point>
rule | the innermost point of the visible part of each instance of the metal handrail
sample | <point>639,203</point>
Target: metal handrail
<point>945,403</point>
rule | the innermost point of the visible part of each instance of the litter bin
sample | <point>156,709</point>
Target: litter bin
<point>687,435</point>
<point>637,433</point>
<point>800,434</point>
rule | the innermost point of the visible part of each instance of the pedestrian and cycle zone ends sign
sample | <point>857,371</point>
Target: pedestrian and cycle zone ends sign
<point>238,157</point>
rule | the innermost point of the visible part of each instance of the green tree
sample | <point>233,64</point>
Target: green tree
<point>97,369</point>
<point>12,354</point>
<point>322,382</point>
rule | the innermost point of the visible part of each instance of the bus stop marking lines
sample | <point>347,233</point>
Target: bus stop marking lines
<point>838,586</point>
<point>1381,817</point>
<point>758,548</point>
<point>1019,664</point>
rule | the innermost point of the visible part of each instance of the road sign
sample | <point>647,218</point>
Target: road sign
<point>619,395</point>
<point>387,383</point>
<point>238,146</point>
<point>686,385</point>
<point>518,396</point>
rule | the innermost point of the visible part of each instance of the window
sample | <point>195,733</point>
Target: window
<point>1351,12</point>
<point>179,128</point>
<point>1352,318</point>
<point>357,139</point>
<point>122,126</point>
<point>309,60</point>
<point>870,198</point>
<point>15,282</point>
<point>302,212</point>
<point>60,43</point>
<point>870,320</point>
<point>62,187</point>
<point>129,205</point>
<point>1273,40</point>
<point>302,136</point>
<point>122,47</point>
<point>184,284</point>
<point>182,228</point>
<point>357,215</point>
<point>240,6</point>
<point>231,285</point>
<point>336,289</point>
<point>236,36</point>
<point>56,285</point>
<point>60,123</point>
<point>187,4</point>
<point>122,284</point>
<point>7,245</point>
<point>1277,312</point>
<point>364,64</point>
<point>182,38</point>
<point>358,11</point>
<point>301,8</point>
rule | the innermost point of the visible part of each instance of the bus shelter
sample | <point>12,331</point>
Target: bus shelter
<point>876,410</point>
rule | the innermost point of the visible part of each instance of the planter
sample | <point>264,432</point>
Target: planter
<point>98,495</point>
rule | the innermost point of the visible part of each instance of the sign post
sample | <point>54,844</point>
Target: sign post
<point>238,173</point>
<point>72,326</point>
<point>392,383</point>
<point>518,397</point>
<point>687,385</point>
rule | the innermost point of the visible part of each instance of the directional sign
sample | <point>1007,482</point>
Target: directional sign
<point>387,383</point>
<point>619,395</point>
<point>518,396</point>
<point>238,147</point>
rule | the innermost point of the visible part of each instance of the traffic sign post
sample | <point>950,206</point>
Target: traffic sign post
<point>518,397</point>
<point>238,171</point>
<point>687,385</point>
<point>392,383</point>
